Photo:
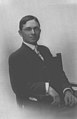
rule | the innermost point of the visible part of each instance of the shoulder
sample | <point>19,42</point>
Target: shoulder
<point>15,55</point>
<point>43,47</point>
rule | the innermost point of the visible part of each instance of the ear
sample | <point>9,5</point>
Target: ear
<point>20,33</point>
<point>40,30</point>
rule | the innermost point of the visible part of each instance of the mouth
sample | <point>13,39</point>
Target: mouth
<point>33,37</point>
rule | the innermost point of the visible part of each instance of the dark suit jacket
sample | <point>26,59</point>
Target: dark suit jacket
<point>28,73</point>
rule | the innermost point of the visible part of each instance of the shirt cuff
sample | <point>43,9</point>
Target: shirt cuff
<point>46,86</point>
<point>67,89</point>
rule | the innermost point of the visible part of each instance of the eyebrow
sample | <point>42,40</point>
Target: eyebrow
<point>32,27</point>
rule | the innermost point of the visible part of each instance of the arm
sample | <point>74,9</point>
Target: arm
<point>21,77</point>
<point>60,80</point>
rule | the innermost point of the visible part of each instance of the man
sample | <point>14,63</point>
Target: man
<point>32,67</point>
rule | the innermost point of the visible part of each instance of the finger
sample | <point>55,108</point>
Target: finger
<point>75,100</point>
<point>55,102</point>
<point>66,100</point>
<point>72,101</point>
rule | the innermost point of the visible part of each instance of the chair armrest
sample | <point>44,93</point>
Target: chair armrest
<point>73,84</point>
<point>74,87</point>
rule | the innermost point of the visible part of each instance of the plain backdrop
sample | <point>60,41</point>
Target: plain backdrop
<point>58,19</point>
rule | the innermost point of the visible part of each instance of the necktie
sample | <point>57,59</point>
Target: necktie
<point>38,53</point>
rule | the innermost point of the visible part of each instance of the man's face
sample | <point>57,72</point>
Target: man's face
<point>30,32</point>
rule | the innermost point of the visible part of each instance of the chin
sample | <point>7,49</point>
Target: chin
<point>34,43</point>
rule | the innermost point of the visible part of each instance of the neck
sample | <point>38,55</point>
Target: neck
<point>30,43</point>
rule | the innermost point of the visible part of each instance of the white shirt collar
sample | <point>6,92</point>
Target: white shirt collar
<point>30,45</point>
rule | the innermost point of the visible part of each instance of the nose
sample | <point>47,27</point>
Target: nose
<point>33,31</point>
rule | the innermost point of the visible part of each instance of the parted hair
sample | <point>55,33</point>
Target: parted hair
<point>27,18</point>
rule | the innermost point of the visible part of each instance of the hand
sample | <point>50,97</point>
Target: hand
<point>55,95</point>
<point>56,101</point>
<point>70,99</point>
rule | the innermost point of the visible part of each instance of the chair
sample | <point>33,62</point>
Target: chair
<point>74,85</point>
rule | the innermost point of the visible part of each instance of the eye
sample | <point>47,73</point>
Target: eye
<point>28,29</point>
<point>36,28</point>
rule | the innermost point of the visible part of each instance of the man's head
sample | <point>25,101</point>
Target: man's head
<point>29,29</point>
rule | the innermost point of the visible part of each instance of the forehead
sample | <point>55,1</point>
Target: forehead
<point>31,23</point>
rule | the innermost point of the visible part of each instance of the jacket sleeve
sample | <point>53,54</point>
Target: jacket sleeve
<point>59,80</point>
<point>21,78</point>
<point>62,81</point>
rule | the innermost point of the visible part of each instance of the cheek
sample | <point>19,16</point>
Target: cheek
<point>25,34</point>
<point>38,34</point>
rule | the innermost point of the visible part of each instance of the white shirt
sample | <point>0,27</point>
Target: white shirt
<point>30,45</point>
